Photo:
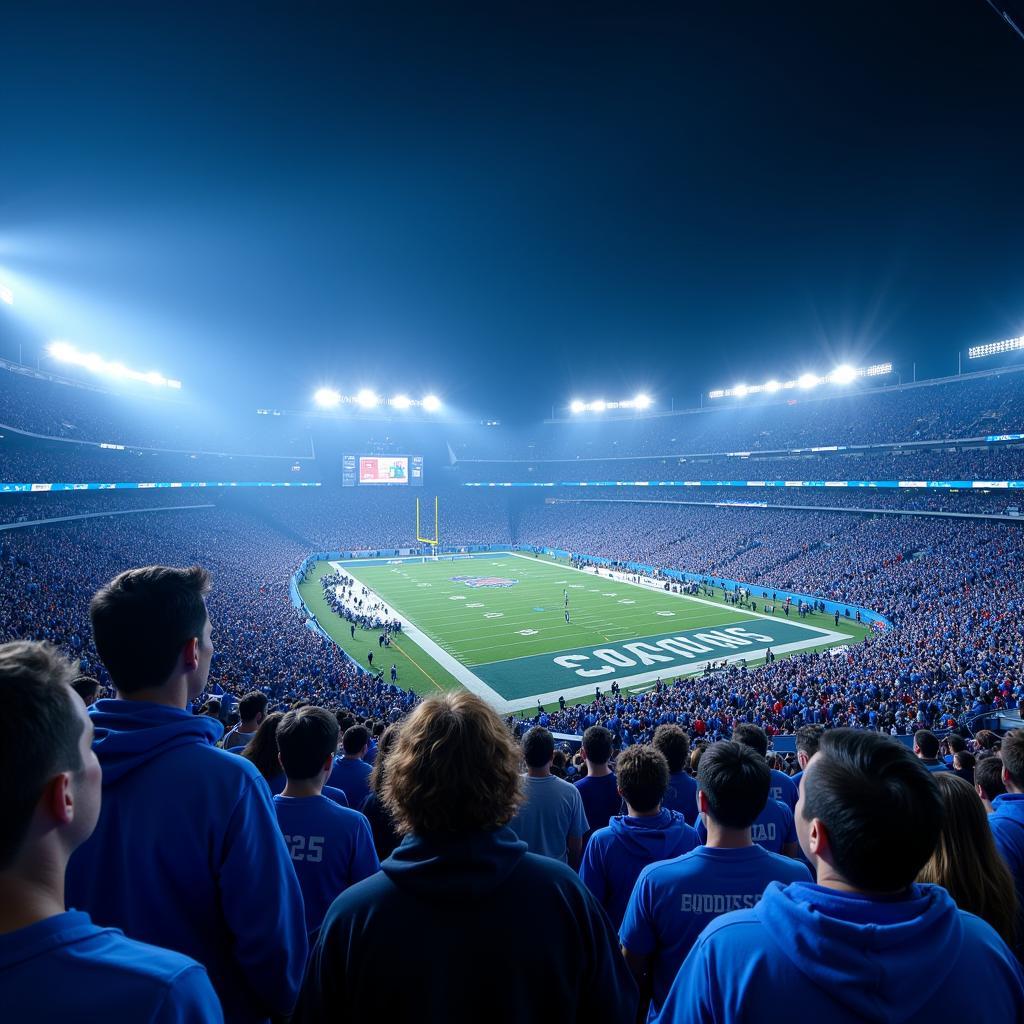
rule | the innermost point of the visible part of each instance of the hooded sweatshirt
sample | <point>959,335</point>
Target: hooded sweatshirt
<point>1007,824</point>
<point>55,970</point>
<point>479,903</point>
<point>616,855</point>
<point>187,854</point>
<point>845,957</point>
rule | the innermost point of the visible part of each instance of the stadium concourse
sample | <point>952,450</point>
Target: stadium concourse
<point>308,710</point>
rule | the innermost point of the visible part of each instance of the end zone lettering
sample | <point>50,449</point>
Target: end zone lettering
<point>686,647</point>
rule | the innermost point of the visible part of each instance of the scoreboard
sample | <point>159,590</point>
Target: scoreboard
<point>382,470</point>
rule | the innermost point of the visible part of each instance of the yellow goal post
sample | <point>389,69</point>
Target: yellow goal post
<point>435,538</point>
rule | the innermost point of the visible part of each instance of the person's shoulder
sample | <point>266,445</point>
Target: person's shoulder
<point>129,957</point>
<point>733,928</point>
<point>663,872</point>
<point>788,868</point>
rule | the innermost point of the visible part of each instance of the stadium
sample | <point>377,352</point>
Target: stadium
<point>727,625</point>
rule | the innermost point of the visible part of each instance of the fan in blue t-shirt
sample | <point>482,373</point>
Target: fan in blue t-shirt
<point>350,772</point>
<point>681,794</point>
<point>331,846</point>
<point>674,900</point>
<point>598,788</point>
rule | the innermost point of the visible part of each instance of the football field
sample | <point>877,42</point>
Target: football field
<point>496,624</point>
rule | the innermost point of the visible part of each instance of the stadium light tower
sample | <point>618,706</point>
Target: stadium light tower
<point>431,403</point>
<point>327,398</point>
<point>642,401</point>
<point>808,381</point>
<point>772,386</point>
<point>401,402</point>
<point>577,405</point>
<point>844,374</point>
<point>65,352</point>
<point>367,399</point>
<point>740,391</point>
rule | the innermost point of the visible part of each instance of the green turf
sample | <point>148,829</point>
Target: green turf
<point>516,640</point>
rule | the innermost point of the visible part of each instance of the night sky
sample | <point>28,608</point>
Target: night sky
<point>514,207</point>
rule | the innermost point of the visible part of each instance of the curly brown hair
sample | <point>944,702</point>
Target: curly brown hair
<point>453,769</point>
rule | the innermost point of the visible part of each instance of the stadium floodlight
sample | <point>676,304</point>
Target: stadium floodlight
<point>599,406</point>
<point>65,352</point>
<point>367,399</point>
<point>401,402</point>
<point>844,374</point>
<point>995,348</point>
<point>577,405</point>
<point>431,403</point>
<point>6,295</point>
<point>639,402</point>
<point>327,398</point>
<point>642,401</point>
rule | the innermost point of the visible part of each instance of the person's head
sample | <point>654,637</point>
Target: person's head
<point>964,763</point>
<point>1012,754</point>
<point>385,745</point>
<point>50,779</point>
<point>674,745</point>
<point>151,629</point>
<point>597,745</point>
<point>733,781</point>
<point>926,744</point>
<point>306,742</point>
<point>642,776</point>
<point>538,747</point>
<point>695,756</point>
<point>252,709</point>
<point>87,688</point>
<point>355,741</point>
<point>869,812</point>
<point>988,778</point>
<point>262,748</point>
<point>808,738</point>
<point>454,768</point>
<point>986,739</point>
<point>752,736</point>
<point>954,742</point>
<point>965,861</point>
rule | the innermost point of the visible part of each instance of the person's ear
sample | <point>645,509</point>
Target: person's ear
<point>702,802</point>
<point>58,800</point>
<point>328,765</point>
<point>190,654</point>
<point>817,838</point>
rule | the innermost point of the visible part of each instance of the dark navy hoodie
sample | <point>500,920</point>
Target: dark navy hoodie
<point>819,954</point>
<point>616,855</point>
<point>188,855</point>
<point>463,928</point>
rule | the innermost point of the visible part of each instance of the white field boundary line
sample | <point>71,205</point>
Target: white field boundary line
<point>476,685</point>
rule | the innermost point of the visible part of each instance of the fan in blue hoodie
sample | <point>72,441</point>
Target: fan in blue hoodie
<point>55,964</point>
<point>331,846</point>
<point>681,794</point>
<point>674,900</point>
<point>462,885</point>
<point>1007,817</point>
<point>187,853</point>
<point>865,943</point>
<point>617,854</point>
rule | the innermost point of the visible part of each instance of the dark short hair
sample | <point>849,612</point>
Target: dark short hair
<point>1012,753</point>
<point>356,737</point>
<point>955,743</point>
<point>538,747</point>
<point>808,739</point>
<point>454,768</point>
<point>306,738</point>
<point>988,774</point>
<point>39,734</point>
<point>143,618</point>
<point>927,742</point>
<point>251,705</point>
<point>752,736</point>
<point>736,780</point>
<point>674,744</point>
<point>85,686</point>
<point>597,742</point>
<point>879,805</point>
<point>642,775</point>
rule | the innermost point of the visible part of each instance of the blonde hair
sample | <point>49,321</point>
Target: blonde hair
<point>454,768</point>
<point>966,862</point>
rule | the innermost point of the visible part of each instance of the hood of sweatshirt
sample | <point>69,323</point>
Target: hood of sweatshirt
<point>884,959</point>
<point>1010,805</point>
<point>661,837</point>
<point>130,733</point>
<point>440,869</point>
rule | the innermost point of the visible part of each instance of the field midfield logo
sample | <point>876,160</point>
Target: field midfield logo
<point>484,581</point>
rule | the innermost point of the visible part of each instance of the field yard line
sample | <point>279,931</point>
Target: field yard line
<point>688,597</point>
<point>395,643</point>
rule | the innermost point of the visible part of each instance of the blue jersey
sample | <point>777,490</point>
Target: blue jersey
<point>783,789</point>
<point>601,800</point>
<point>773,828</point>
<point>65,968</point>
<point>331,848</point>
<point>681,796</point>
<point>674,900</point>
<point>352,775</point>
